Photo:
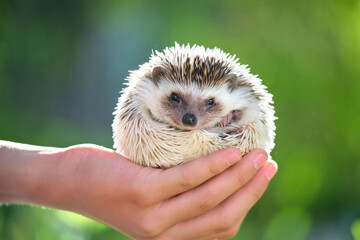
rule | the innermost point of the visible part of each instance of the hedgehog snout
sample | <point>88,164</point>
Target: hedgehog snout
<point>189,119</point>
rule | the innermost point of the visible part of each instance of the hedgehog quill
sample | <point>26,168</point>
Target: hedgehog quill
<point>188,102</point>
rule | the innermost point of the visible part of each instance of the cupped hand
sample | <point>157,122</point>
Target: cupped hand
<point>207,198</point>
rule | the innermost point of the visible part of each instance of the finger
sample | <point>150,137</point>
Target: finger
<point>173,181</point>
<point>227,234</point>
<point>225,216</point>
<point>199,200</point>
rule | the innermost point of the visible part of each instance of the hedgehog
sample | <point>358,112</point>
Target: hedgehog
<point>187,102</point>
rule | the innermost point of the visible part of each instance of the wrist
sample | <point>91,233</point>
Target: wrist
<point>45,184</point>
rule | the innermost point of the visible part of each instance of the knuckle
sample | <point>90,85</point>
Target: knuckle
<point>226,224</point>
<point>206,203</point>
<point>257,194</point>
<point>149,227</point>
<point>241,178</point>
<point>185,182</point>
<point>213,170</point>
<point>142,194</point>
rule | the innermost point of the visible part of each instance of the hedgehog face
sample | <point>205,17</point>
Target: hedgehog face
<point>189,107</point>
<point>187,110</point>
<point>196,104</point>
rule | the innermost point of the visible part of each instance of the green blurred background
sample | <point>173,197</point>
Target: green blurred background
<point>62,64</point>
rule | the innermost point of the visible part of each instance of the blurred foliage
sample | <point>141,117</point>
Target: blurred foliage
<point>355,229</point>
<point>62,64</point>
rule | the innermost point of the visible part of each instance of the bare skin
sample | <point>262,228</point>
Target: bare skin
<point>207,198</point>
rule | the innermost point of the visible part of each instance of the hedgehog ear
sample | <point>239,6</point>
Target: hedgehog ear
<point>157,74</point>
<point>232,80</point>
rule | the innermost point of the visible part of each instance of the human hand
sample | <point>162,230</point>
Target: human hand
<point>203,199</point>
<point>177,203</point>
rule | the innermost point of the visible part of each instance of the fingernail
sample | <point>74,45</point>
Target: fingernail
<point>259,160</point>
<point>271,170</point>
<point>233,158</point>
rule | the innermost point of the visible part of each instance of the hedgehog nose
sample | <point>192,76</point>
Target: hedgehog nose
<point>189,119</point>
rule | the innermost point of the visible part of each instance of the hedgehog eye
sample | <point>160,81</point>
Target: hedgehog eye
<point>210,102</point>
<point>174,97</point>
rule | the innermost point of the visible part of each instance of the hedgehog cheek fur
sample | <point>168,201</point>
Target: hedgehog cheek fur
<point>146,135</point>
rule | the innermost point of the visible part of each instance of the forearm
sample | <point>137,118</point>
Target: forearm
<point>26,172</point>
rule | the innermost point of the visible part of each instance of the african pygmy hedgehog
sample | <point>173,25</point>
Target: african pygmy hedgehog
<point>187,102</point>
